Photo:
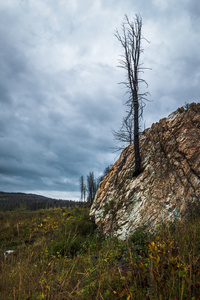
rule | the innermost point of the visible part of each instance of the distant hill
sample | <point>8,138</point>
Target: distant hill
<point>22,201</point>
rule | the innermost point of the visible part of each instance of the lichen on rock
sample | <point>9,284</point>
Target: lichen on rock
<point>170,179</point>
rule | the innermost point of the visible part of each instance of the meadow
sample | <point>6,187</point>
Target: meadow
<point>58,255</point>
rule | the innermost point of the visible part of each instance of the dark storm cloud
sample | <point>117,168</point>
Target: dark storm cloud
<point>59,95</point>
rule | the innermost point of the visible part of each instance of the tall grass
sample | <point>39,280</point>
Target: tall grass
<point>58,255</point>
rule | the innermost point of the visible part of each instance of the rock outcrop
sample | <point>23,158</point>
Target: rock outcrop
<point>170,155</point>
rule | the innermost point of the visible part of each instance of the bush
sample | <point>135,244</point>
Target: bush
<point>141,236</point>
<point>193,210</point>
<point>86,227</point>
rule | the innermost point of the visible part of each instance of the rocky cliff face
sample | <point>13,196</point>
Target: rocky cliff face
<point>170,154</point>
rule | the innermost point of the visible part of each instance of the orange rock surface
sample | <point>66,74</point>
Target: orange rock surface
<point>170,155</point>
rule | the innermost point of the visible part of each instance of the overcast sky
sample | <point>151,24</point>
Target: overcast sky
<point>59,91</point>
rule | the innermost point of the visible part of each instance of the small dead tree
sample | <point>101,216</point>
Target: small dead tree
<point>131,42</point>
<point>125,135</point>
<point>105,173</point>
<point>82,186</point>
<point>91,187</point>
<point>84,192</point>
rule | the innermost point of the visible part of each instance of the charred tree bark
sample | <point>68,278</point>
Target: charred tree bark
<point>131,42</point>
<point>138,168</point>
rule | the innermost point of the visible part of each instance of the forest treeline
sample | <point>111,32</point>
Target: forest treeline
<point>22,201</point>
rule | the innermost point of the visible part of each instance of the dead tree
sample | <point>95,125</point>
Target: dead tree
<point>91,187</point>
<point>125,135</point>
<point>131,42</point>
<point>82,186</point>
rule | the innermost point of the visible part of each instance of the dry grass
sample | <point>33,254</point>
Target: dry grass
<point>58,256</point>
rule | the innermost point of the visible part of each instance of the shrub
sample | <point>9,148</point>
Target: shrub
<point>85,226</point>
<point>193,210</point>
<point>141,236</point>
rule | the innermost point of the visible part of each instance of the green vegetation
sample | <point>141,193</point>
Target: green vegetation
<point>58,255</point>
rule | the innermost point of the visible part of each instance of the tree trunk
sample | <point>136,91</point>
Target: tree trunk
<point>131,42</point>
<point>138,169</point>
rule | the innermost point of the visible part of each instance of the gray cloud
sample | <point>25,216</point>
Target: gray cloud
<point>59,91</point>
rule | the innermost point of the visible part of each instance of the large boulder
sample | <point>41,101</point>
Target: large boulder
<point>169,183</point>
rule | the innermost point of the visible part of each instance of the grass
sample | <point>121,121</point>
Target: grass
<point>58,255</point>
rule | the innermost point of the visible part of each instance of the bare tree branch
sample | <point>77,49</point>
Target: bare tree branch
<point>130,40</point>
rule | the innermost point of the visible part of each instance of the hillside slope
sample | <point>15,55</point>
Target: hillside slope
<point>22,201</point>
